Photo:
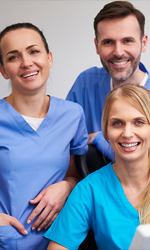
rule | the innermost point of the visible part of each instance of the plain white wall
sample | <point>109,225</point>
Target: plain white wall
<point>68,27</point>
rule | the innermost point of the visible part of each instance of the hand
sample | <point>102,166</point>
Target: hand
<point>51,200</point>
<point>6,220</point>
<point>91,137</point>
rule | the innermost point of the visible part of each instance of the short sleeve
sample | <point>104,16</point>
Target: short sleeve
<point>72,224</point>
<point>75,93</point>
<point>78,145</point>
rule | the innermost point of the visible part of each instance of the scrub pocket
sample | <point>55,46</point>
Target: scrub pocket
<point>7,237</point>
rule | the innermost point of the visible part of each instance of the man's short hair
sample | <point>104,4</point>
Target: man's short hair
<point>119,9</point>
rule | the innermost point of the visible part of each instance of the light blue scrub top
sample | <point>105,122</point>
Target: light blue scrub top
<point>32,160</point>
<point>97,202</point>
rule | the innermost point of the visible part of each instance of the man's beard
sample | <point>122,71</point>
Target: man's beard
<point>129,73</point>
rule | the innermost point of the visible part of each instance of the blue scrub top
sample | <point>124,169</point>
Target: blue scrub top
<point>32,160</point>
<point>90,91</point>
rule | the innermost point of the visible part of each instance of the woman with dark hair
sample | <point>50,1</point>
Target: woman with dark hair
<point>40,134</point>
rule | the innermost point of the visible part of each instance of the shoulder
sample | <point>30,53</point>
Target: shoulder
<point>90,77</point>
<point>97,179</point>
<point>2,102</point>
<point>94,75</point>
<point>66,105</point>
<point>4,106</point>
<point>94,71</point>
<point>143,68</point>
<point>92,187</point>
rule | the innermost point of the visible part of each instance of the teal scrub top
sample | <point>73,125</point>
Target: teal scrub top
<point>97,202</point>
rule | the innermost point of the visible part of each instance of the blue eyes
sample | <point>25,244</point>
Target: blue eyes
<point>116,123</point>
<point>120,123</point>
<point>139,122</point>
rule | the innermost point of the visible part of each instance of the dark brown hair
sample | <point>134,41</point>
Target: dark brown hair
<point>119,9</point>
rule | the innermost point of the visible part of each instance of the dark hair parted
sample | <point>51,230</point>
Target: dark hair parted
<point>119,9</point>
<point>20,26</point>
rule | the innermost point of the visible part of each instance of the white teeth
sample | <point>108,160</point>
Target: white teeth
<point>119,63</point>
<point>129,145</point>
<point>31,74</point>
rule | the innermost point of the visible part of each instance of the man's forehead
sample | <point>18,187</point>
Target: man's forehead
<point>110,28</point>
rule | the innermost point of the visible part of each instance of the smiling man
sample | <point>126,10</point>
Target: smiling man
<point>119,41</point>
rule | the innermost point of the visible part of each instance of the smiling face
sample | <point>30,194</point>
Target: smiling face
<point>119,45</point>
<point>128,131</point>
<point>25,60</point>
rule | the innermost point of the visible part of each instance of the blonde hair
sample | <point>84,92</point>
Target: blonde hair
<point>138,97</point>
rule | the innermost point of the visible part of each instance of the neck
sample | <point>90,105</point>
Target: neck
<point>133,177</point>
<point>131,171</point>
<point>33,106</point>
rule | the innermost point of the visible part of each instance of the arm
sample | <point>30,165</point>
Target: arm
<point>6,220</point>
<point>55,246</point>
<point>102,145</point>
<point>72,176</point>
<point>52,199</point>
<point>91,137</point>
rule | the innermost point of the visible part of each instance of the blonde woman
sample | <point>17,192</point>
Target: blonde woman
<point>114,200</point>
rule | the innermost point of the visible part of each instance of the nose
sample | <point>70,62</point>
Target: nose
<point>26,61</point>
<point>118,49</point>
<point>128,131</point>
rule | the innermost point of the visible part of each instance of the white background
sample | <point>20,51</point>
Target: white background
<point>68,27</point>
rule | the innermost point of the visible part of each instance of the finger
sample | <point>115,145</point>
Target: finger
<point>15,223</point>
<point>36,212</point>
<point>41,217</point>
<point>52,220</point>
<point>48,221</point>
<point>38,197</point>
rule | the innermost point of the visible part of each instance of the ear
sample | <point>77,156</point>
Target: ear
<point>3,72</point>
<point>50,59</point>
<point>96,46</point>
<point>144,42</point>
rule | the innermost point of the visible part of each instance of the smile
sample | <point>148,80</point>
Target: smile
<point>31,74</point>
<point>129,145</point>
<point>120,63</point>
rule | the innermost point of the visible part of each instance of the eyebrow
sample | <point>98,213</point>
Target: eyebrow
<point>115,119</point>
<point>16,51</point>
<point>134,119</point>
